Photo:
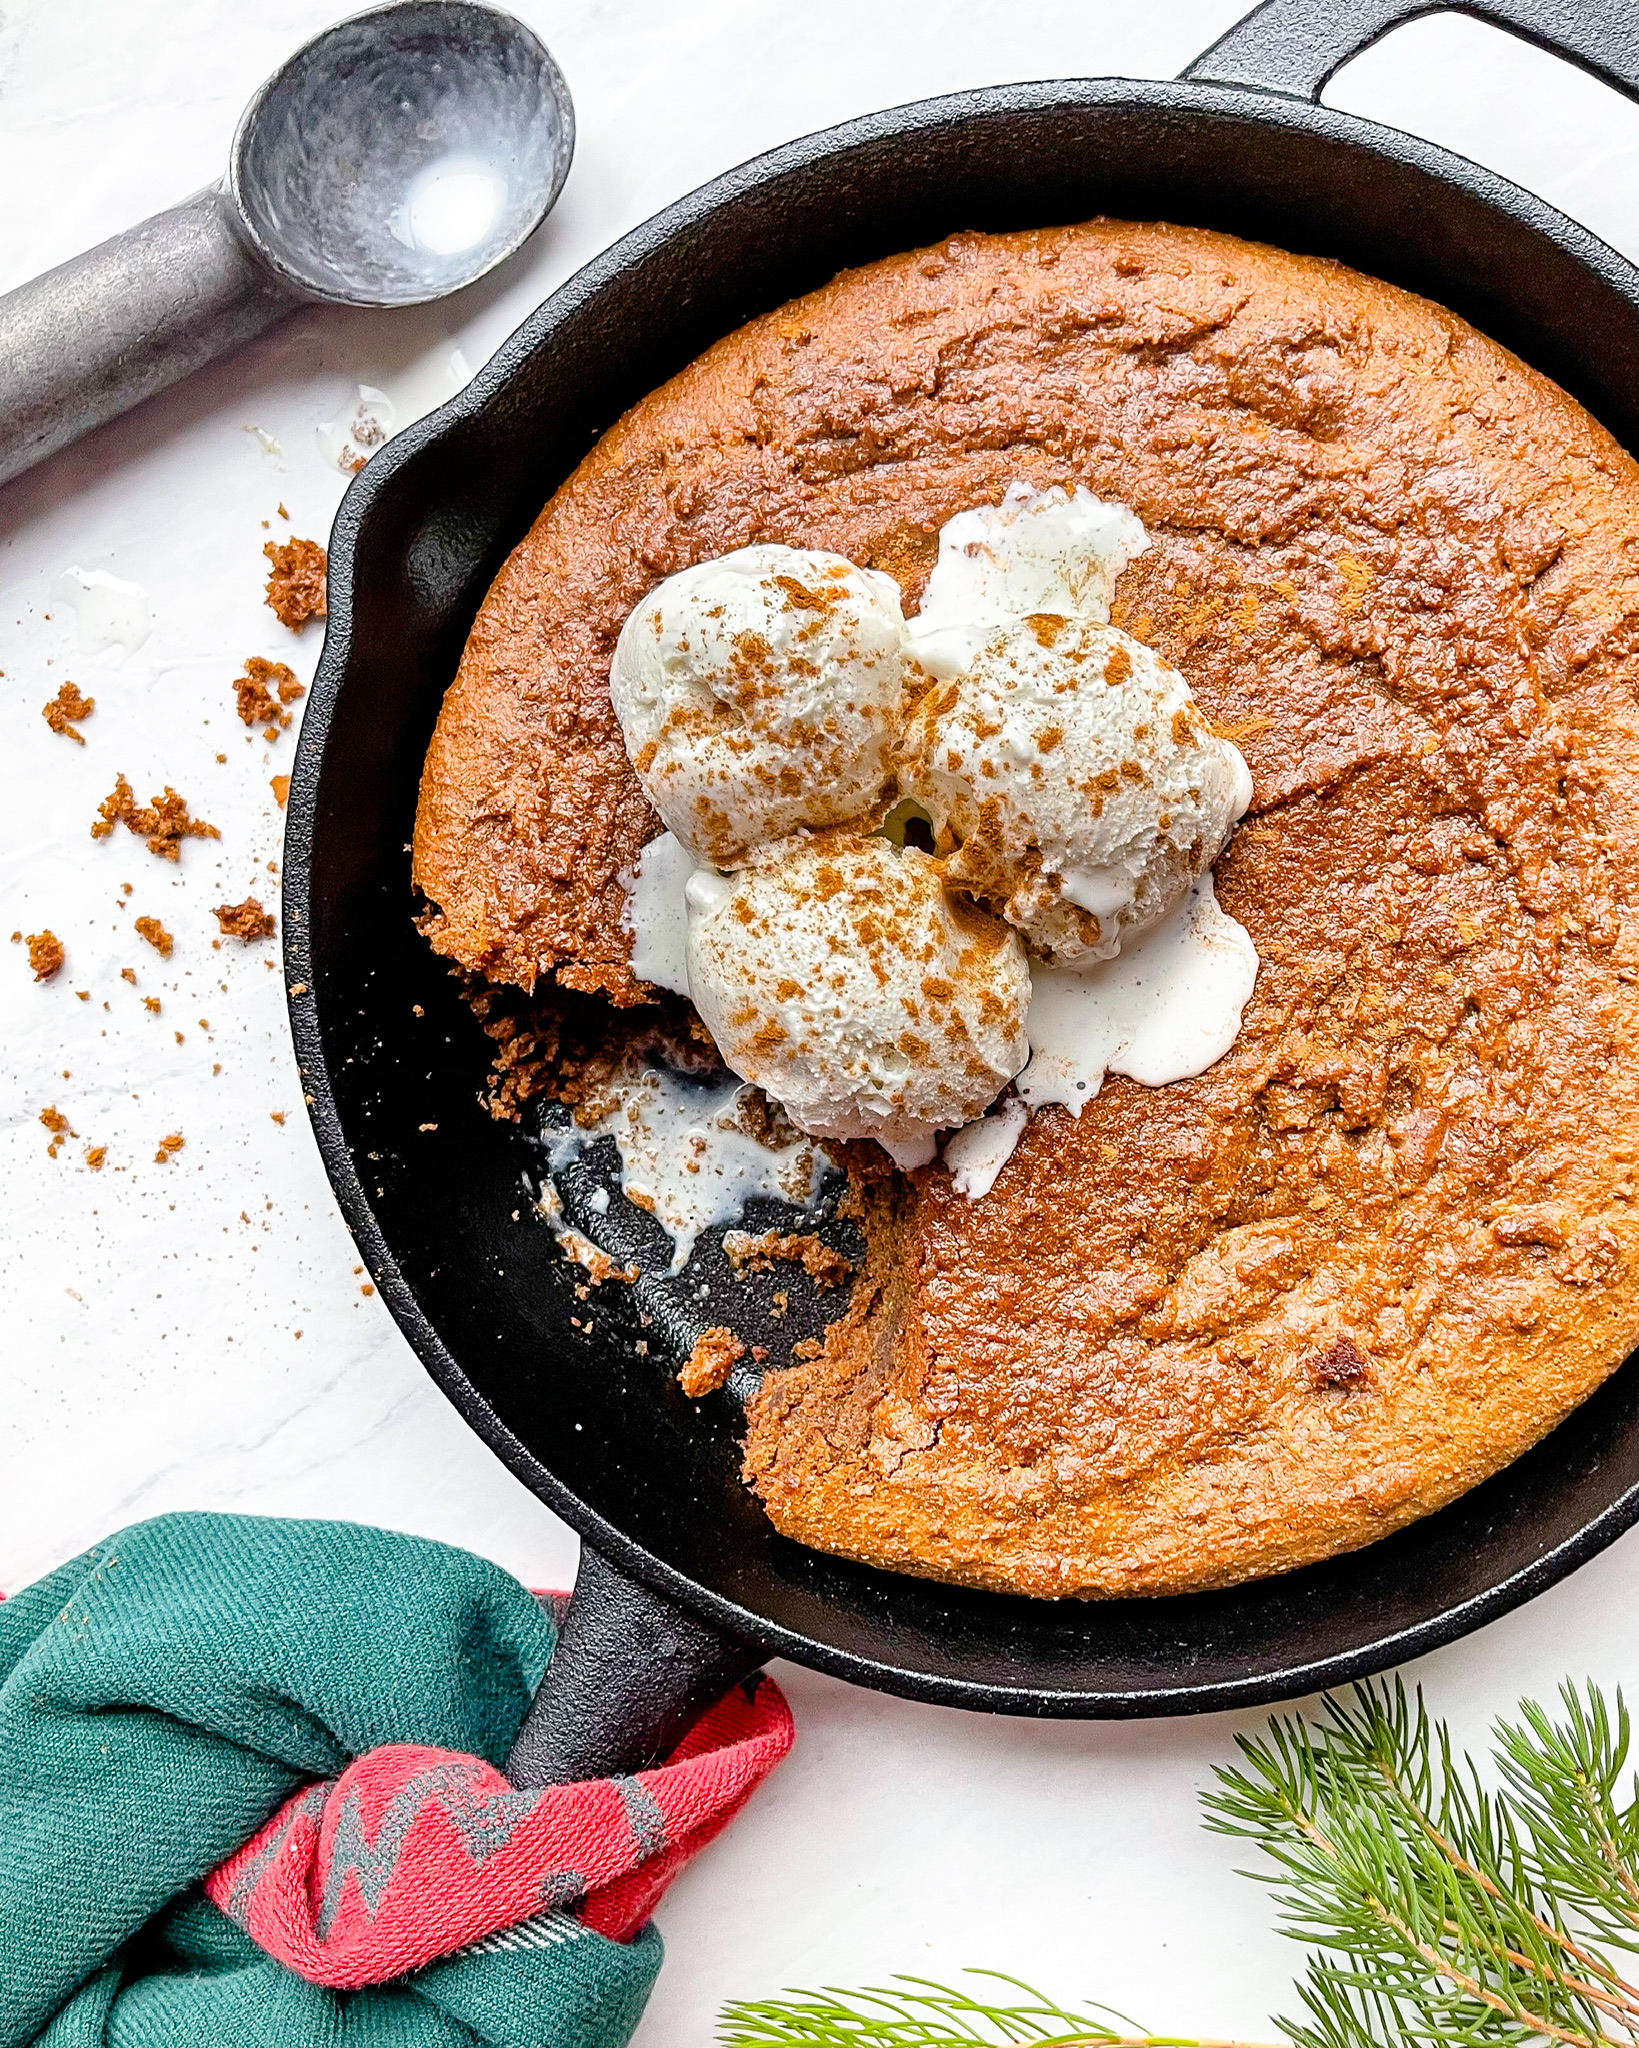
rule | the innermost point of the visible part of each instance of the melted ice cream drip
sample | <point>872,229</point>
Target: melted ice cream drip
<point>1166,1008</point>
<point>977,1153</point>
<point>687,1156</point>
<point>108,611</point>
<point>1052,551</point>
<point>375,416</point>
<point>658,914</point>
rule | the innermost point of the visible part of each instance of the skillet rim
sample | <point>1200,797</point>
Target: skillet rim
<point>535,334</point>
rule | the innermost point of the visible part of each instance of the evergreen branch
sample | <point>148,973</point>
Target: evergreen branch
<point>926,2014</point>
<point>1444,1913</point>
<point>1441,1910</point>
<point>1565,1778</point>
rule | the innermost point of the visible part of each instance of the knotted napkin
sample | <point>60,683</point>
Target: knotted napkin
<point>250,1798</point>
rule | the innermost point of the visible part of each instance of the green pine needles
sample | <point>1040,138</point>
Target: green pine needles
<point>919,2013</point>
<point>1442,1909</point>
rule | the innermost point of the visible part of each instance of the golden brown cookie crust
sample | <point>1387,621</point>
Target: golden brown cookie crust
<point>1224,1328</point>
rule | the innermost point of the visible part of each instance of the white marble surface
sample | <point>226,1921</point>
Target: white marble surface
<point>195,1334</point>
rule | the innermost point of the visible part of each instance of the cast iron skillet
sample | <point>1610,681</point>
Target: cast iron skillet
<point>684,1585</point>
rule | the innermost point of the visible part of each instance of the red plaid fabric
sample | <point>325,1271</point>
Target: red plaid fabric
<point>413,1853</point>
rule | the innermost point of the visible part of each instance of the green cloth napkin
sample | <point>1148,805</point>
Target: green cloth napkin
<point>161,1695</point>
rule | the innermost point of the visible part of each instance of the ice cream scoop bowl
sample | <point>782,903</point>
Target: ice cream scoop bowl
<point>395,158</point>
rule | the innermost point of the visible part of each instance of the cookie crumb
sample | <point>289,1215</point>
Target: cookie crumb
<point>69,705</point>
<point>46,953</point>
<point>151,1003</point>
<point>277,1115</point>
<point>94,1157</point>
<point>810,1347</point>
<point>59,1127</point>
<point>596,1262</point>
<point>296,583</point>
<point>169,1148</point>
<point>157,936</point>
<point>165,822</point>
<point>280,786</point>
<point>245,921</point>
<point>265,691</point>
<point>716,1353</point>
<point>129,974</point>
<point>823,1263</point>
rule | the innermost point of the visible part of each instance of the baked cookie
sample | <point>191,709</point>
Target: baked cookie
<point>1223,1328</point>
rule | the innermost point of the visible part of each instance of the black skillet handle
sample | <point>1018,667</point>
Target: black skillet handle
<point>631,1672</point>
<point>1294,46</point>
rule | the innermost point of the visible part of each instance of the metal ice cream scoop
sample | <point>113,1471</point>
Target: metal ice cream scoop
<point>395,158</point>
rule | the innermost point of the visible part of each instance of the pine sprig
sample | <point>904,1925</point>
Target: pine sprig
<point>1444,1912</point>
<point>1566,1780</point>
<point>925,2014</point>
<point>1441,1909</point>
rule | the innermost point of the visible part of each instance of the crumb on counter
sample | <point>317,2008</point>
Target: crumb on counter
<point>169,1147</point>
<point>69,705</point>
<point>165,822</point>
<point>280,786</point>
<point>716,1353</point>
<point>46,953</point>
<point>245,921</point>
<point>59,1127</point>
<point>157,936</point>
<point>265,692</point>
<point>94,1157</point>
<point>151,1003</point>
<point>296,583</point>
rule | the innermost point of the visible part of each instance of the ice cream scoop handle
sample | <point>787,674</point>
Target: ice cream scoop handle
<point>106,330</point>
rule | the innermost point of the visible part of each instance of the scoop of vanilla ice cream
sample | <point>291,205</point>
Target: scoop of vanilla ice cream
<point>1074,785</point>
<point>842,978</point>
<point>760,692</point>
<point>1037,551</point>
